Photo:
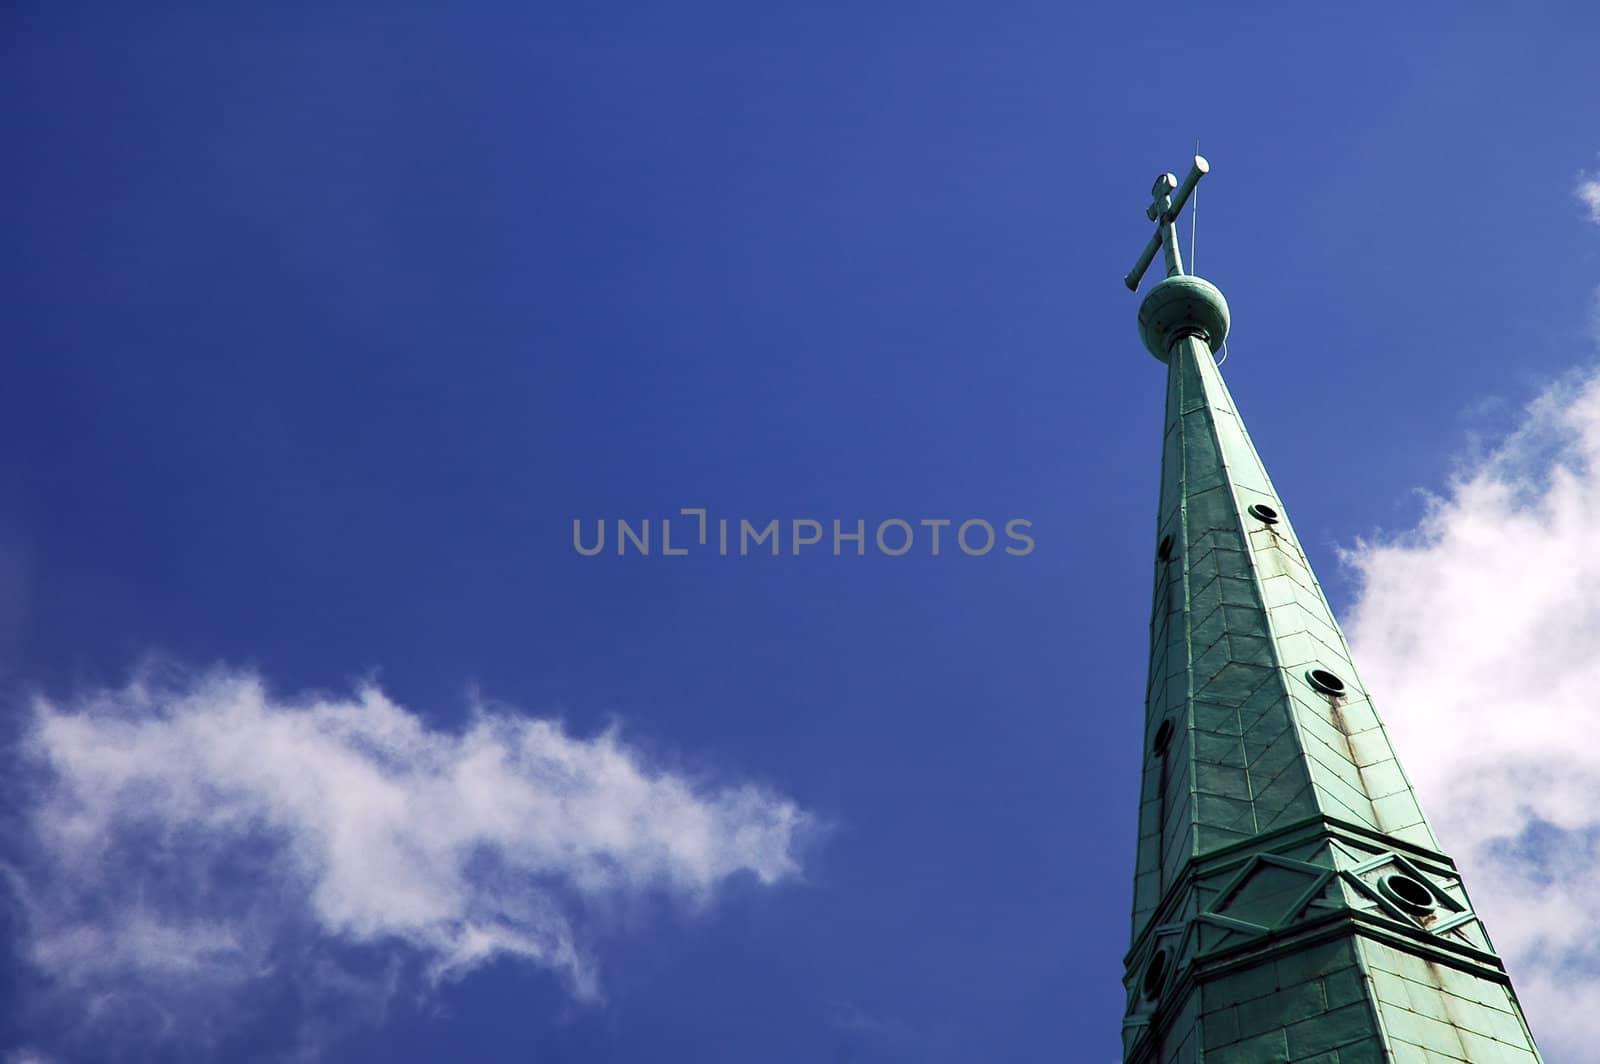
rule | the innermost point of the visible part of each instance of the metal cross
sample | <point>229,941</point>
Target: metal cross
<point>1163,210</point>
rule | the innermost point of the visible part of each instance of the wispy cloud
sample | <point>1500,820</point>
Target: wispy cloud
<point>886,1037</point>
<point>849,1017</point>
<point>1479,634</point>
<point>195,837</point>
<point>1588,193</point>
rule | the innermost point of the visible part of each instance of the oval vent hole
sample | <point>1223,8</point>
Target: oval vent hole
<point>1164,549</point>
<point>1263,512</point>
<point>1154,973</point>
<point>1408,892</point>
<point>1163,738</point>
<point>1326,682</point>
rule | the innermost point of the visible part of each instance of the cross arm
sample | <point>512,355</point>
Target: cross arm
<point>1164,210</point>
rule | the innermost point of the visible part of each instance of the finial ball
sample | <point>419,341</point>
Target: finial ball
<point>1183,305</point>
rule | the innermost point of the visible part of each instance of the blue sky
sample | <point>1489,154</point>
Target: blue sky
<point>325,325</point>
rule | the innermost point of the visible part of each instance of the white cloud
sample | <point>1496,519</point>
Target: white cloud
<point>1588,192</point>
<point>1479,634</point>
<point>197,837</point>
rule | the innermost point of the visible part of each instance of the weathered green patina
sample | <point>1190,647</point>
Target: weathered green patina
<point>1291,903</point>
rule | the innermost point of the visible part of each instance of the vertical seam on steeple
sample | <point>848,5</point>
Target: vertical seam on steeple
<point>1371,996</point>
<point>1192,348</point>
<point>1182,530</point>
<point>1180,551</point>
<point>1162,595</point>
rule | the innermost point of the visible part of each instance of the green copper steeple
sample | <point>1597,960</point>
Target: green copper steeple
<point>1290,901</point>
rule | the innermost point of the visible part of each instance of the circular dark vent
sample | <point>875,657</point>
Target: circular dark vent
<point>1164,549</point>
<point>1326,682</point>
<point>1406,892</point>
<point>1263,512</point>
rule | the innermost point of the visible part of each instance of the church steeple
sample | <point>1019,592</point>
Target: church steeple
<point>1291,903</point>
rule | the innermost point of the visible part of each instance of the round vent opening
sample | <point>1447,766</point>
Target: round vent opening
<point>1262,512</point>
<point>1408,893</point>
<point>1326,682</point>
<point>1164,549</point>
